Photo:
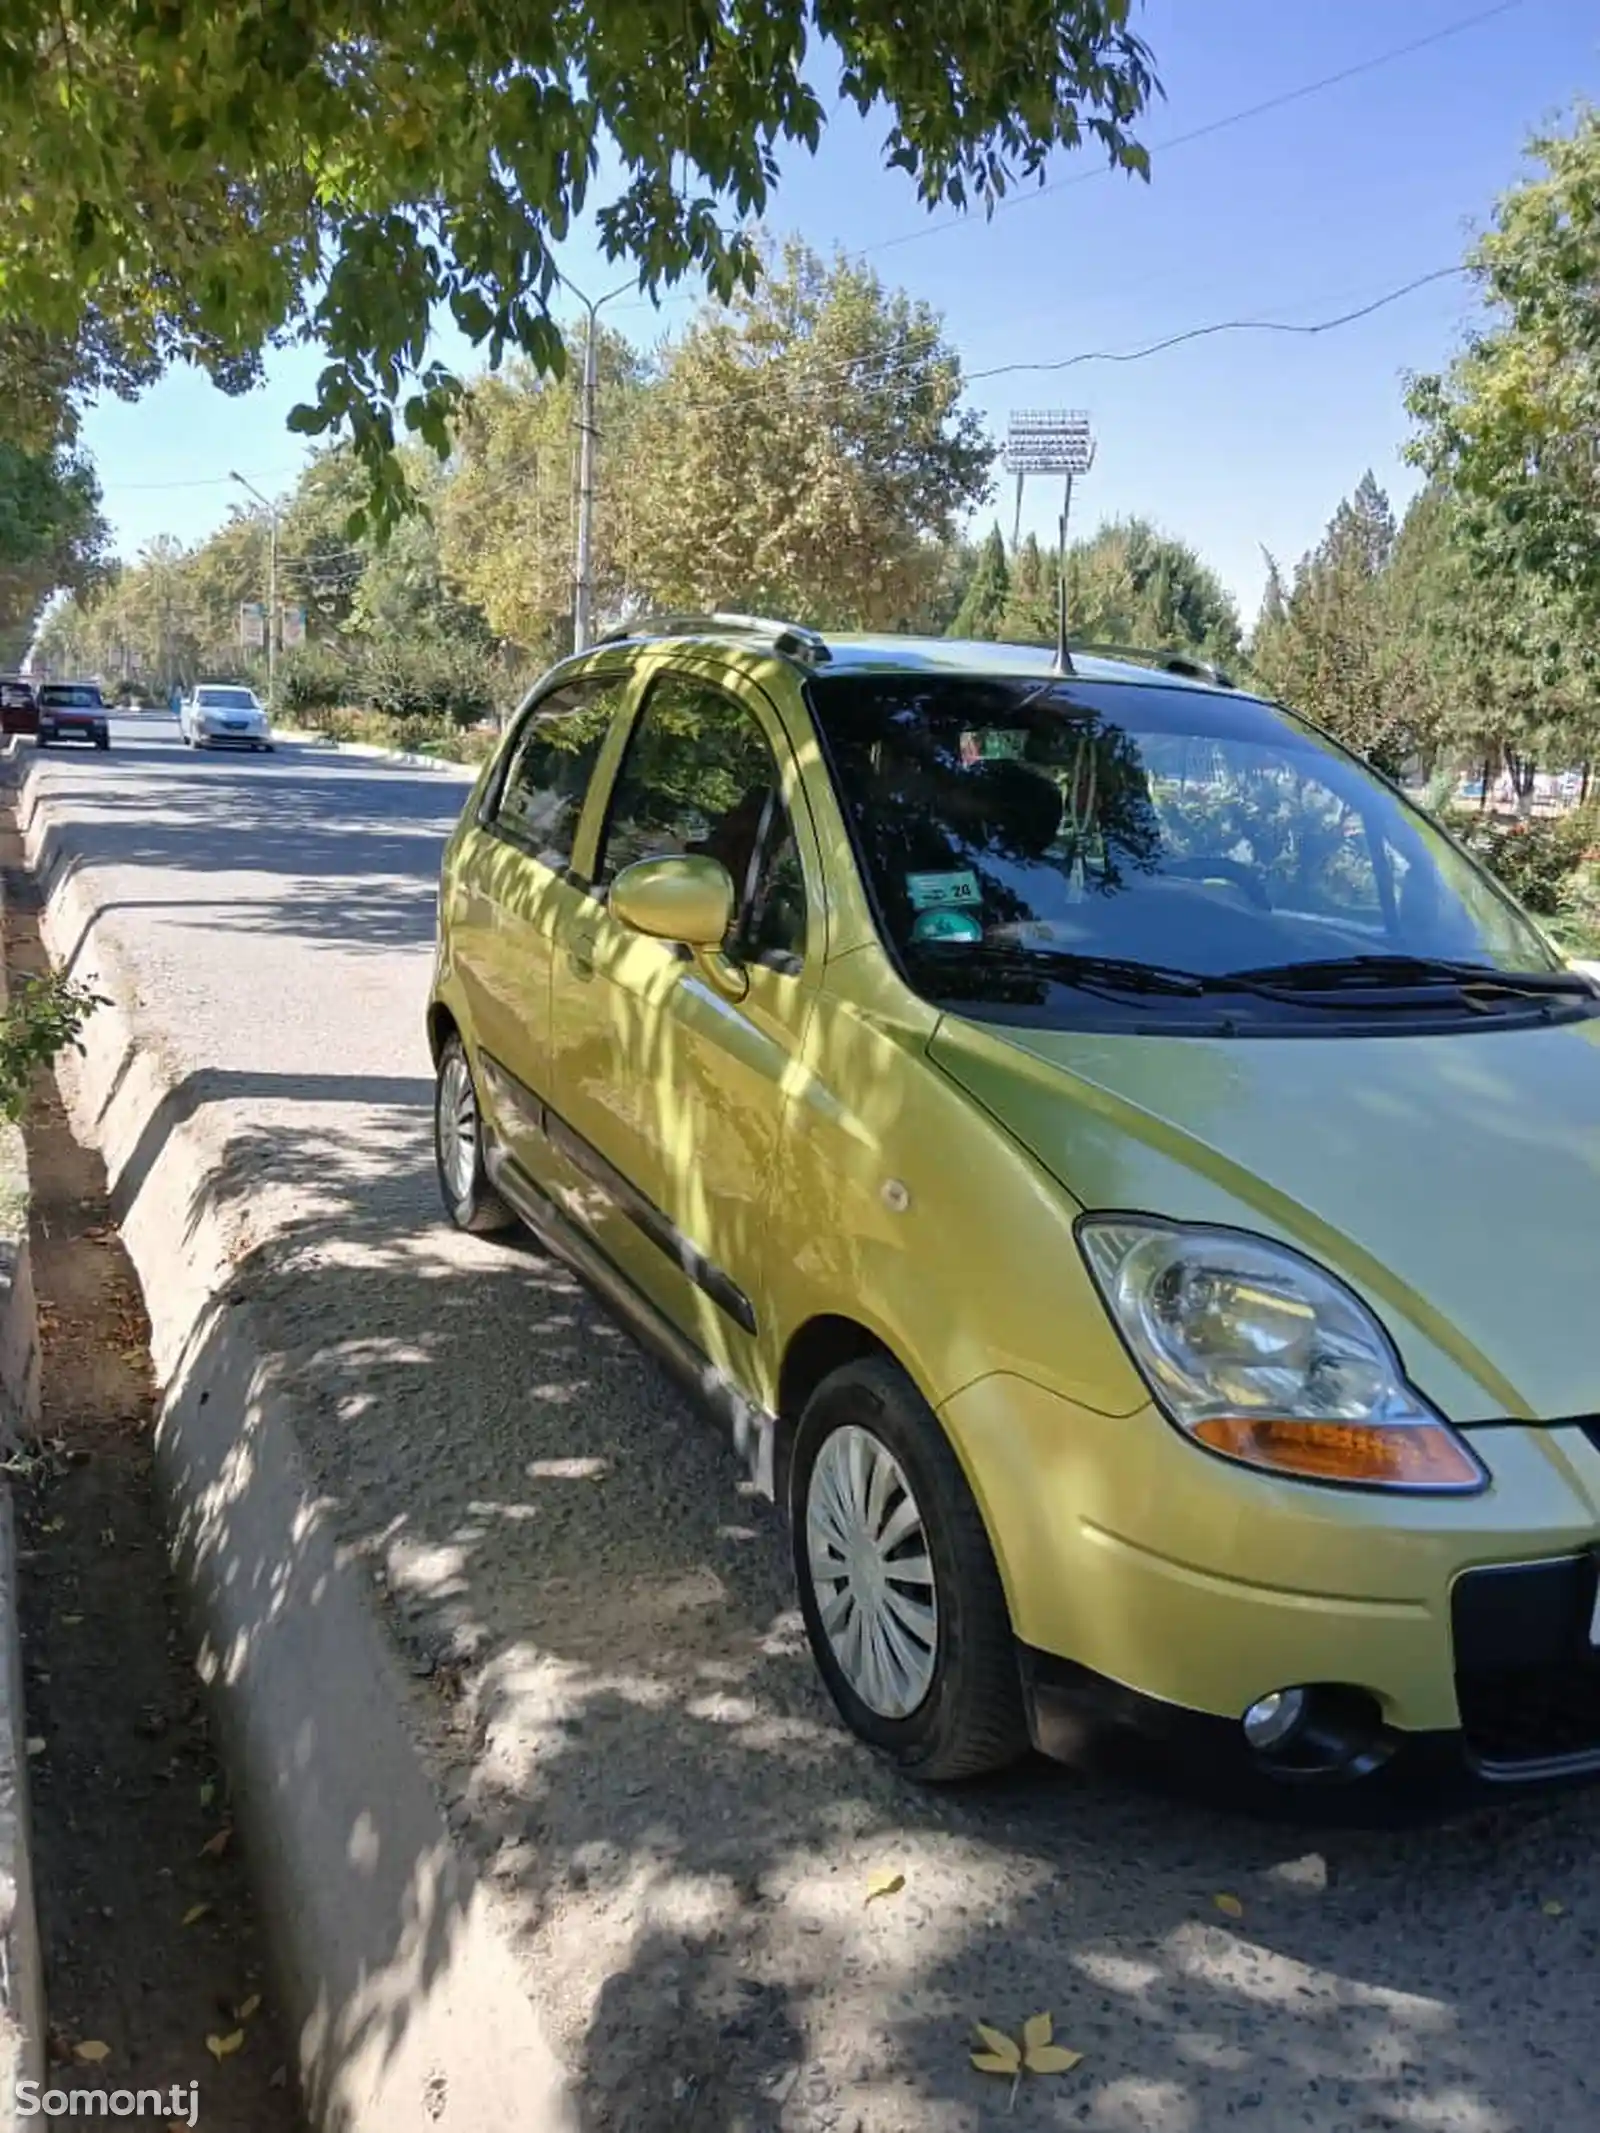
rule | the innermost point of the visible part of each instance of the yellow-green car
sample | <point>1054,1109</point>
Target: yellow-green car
<point>1130,1181</point>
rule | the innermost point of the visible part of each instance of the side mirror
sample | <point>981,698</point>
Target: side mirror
<point>685,897</point>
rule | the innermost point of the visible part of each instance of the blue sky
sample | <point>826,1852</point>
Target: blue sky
<point>1237,443</point>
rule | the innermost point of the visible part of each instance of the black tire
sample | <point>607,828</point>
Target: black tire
<point>971,1719</point>
<point>103,745</point>
<point>472,1205</point>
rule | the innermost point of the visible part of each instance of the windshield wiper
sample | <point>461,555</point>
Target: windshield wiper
<point>1124,972</point>
<point>1409,973</point>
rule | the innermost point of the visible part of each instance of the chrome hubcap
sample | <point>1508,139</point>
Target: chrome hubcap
<point>458,1126</point>
<point>873,1576</point>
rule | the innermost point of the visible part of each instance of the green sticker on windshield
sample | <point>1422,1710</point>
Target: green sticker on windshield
<point>947,926</point>
<point>936,892</point>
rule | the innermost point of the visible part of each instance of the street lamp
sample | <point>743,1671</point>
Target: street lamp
<point>582,564</point>
<point>1051,441</point>
<point>271,510</point>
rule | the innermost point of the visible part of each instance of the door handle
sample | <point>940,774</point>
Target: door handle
<point>580,955</point>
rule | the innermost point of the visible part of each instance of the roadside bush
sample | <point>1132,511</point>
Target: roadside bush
<point>42,1019</point>
<point>433,681</point>
<point>315,677</point>
<point>1534,859</point>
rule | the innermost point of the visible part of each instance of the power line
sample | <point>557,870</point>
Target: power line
<point>1458,28</point>
<point>1227,325</point>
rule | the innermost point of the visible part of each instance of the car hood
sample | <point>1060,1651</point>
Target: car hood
<point>1453,1180</point>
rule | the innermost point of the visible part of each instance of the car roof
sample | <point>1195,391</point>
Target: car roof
<point>862,652</point>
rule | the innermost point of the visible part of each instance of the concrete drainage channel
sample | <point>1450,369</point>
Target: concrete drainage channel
<point>402,2007</point>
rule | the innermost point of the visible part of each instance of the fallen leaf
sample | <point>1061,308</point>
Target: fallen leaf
<point>885,1883</point>
<point>91,2050</point>
<point>37,1744</point>
<point>214,1847</point>
<point>1229,1906</point>
<point>1052,2059</point>
<point>208,1792</point>
<point>195,1913</point>
<point>54,1525</point>
<point>222,2048</point>
<point>70,1621</point>
<point>247,2008</point>
<point>1037,2030</point>
<point>1002,2054</point>
<point>1552,1909</point>
<point>133,1355</point>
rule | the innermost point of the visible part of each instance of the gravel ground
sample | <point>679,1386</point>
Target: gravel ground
<point>611,1678</point>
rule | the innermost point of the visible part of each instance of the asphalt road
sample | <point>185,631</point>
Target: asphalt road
<point>633,1737</point>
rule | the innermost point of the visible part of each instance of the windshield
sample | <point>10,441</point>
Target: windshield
<point>998,819</point>
<point>70,696</point>
<point>226,699</point>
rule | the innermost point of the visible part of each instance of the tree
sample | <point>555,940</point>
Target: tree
<point>1512,425</point>
<point>1032,597</point>
<point>211,180</point>
<point>804,452</point>
<point>52,536</point>
<point>983,605</point>
<point>505,513</point>
<point>1132,585</point>
<point>1327,647</point>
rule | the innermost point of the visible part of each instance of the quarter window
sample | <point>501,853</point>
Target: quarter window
<point>542,797</point>
<point>700,776</point>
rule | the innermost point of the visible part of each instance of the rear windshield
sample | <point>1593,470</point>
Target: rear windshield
<point>226,699</point>
<point>998,819</point>
<point>70,696</point>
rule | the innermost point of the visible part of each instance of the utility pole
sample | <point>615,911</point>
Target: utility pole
<point>588,437</point>
<point>271,510</point>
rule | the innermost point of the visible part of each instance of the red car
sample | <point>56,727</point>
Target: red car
<point>73,711</point>
<point>19,707</point>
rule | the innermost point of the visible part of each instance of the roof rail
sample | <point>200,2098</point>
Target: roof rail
<point>1186,663</point>
<point>786,637</point>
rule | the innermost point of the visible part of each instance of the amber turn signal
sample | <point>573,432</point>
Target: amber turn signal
<point>1410,1455</point>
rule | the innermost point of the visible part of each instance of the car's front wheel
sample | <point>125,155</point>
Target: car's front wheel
<point>898,1586</point>
<point>470,1200</point>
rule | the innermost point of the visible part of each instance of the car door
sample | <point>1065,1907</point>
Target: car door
<point>667,1090</point>
<point>513,889</point>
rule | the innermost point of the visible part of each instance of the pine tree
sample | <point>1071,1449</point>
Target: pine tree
<point>983,608</point>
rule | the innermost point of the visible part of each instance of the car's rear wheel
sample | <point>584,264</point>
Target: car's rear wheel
<point>898,1587</point>
<point>470,1200</point>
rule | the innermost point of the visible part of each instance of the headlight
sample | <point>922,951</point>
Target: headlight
<point>1258,1354</point>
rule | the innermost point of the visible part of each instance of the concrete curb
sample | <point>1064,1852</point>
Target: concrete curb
<point>22,2016</point>
<point>305,737</point>
<point>400,1991</point>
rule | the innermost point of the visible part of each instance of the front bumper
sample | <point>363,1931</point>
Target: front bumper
<point>1166,1590</point>
<point>233,736</point>
<point>73,729</point>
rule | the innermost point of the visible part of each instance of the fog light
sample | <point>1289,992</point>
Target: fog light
<point>1271,1719</point>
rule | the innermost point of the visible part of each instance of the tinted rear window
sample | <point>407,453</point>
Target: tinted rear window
<point>70,696</point>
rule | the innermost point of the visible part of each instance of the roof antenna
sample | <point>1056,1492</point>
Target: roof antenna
<point>1063,650</point>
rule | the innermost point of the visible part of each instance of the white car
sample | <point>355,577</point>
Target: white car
<point>223,715</point>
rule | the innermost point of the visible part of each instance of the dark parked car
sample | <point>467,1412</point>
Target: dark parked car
<point>73,711</point>
<point>19,707</point>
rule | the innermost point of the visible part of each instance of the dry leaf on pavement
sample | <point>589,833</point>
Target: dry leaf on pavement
<point>214,1847</point>
<point>222,2048</point>
<point>1001,2054</point>
<point>91,2050</point>
<point>247,2008</point>
<point>1229,1906</point>
<point>884,1883</point>
<point>195,1913</point>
